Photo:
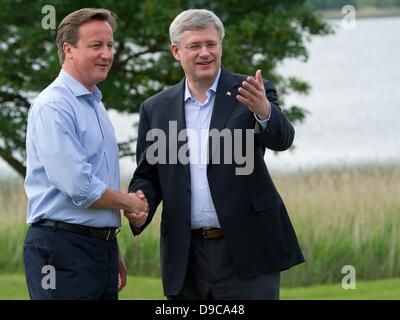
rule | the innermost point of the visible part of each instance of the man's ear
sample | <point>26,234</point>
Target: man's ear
<point>67,48</point>
<point>175,52</point>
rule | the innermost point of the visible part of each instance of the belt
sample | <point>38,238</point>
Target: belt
<point>107,234</point>
<point>208,233</point>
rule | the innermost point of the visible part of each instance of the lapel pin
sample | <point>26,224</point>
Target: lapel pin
<point>228,93</point>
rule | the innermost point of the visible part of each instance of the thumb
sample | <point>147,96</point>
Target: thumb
<point>259,76</point>
<point>140,194</point>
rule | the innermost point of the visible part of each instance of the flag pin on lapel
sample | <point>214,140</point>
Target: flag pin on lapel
<point>228,93</point>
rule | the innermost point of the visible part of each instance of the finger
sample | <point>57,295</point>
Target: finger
<point>144,218</point>
<point>135,216</point>
<point>144,207</point>
<point>121,284</point>
<point>121,278</point>
<point>254,82</point>
<point>128,213</point>
<point>140,223</point>
<point>253,87</point>
<point>141,217</point>
<point>247,94</point>
<point>121,281</point>
<point>244,101</point>
<point>140,194</point>
<point>138,216</point>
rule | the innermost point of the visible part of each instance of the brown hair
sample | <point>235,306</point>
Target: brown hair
<point>68,30</point>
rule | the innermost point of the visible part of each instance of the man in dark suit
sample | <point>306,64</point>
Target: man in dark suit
<point>225,233</point>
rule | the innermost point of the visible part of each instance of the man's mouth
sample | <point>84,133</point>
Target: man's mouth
<point>102,65</point>
<point>204,63</point>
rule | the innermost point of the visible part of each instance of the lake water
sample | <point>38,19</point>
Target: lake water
<point>354,102</point>
<point>355,97</point>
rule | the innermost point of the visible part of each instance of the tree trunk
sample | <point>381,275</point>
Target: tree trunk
<point>14,163</point>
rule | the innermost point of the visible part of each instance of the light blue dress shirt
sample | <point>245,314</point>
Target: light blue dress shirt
<point>72,155</point>
<point>198,118</point>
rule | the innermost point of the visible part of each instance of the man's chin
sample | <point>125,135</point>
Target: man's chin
<point>101,77</point>
<point>206,75</point>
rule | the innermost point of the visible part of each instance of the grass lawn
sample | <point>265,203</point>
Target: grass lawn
<point>12,287</point>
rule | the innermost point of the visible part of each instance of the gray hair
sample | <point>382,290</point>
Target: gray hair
<point>194,19</point>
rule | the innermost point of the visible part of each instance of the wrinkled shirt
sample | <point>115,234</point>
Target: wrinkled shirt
<point>72,155</point>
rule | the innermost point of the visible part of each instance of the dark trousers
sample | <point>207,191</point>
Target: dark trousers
<point>64,265</point>
<point>211,276</point>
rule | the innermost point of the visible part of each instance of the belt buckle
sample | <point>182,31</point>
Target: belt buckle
<point>204,233</point>
<point>114,234</point>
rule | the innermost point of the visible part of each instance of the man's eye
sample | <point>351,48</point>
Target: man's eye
<point>194,46</point>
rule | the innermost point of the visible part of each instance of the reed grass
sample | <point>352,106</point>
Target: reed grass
<point>342,216</point>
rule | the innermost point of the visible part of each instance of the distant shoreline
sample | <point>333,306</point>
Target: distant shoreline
<point>367,12</point>
<point>387,164</point>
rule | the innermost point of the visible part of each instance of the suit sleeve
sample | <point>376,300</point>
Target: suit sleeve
<point>145,177</point>
<point>279,132</point>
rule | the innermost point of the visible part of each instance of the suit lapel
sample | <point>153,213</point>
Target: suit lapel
<point>225,100</point>
<point>175,111</point>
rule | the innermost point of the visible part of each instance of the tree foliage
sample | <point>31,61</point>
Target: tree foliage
<point>259,34</point>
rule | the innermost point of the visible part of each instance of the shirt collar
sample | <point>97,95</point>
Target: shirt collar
<point>77,88</point>
<point>213,88</point>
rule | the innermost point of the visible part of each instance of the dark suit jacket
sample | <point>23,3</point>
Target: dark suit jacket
<point>256,226</point>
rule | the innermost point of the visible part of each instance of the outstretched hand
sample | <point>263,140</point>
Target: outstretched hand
<point>252,94</point>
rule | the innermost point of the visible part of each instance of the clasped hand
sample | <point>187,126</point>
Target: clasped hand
<point>138,213</point>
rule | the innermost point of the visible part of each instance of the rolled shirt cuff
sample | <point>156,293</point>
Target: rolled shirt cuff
<point>96,190</point>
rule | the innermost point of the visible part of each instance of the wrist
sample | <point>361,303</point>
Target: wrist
<point>262,116</point>
<point>128,202</point>
<point>265,113</point>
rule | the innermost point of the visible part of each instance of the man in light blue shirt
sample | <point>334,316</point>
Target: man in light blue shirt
<point>72,180</point>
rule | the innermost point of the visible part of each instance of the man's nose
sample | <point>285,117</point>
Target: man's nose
<point>107,52</point>
<point>204,51</point>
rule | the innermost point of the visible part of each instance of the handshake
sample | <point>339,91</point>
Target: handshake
<point>138,209</point>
